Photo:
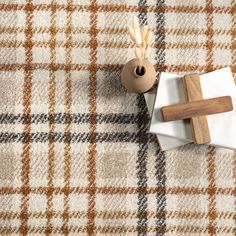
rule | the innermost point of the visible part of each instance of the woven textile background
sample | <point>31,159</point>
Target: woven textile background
<point>75,154</point>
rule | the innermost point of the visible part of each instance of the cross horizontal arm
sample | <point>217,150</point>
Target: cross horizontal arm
<point>197,108</point>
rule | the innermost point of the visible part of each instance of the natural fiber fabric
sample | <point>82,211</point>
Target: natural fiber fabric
<point>75,154</point>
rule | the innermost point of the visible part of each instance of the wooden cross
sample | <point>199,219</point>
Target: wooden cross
<point>196,109</point>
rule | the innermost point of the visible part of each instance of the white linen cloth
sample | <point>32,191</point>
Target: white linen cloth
<point>170,90</point>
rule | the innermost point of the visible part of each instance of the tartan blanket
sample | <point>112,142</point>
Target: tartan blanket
<point>76,157</point>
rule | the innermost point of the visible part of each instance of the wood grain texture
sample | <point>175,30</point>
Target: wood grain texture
<point>199,125</point>
<point>197,108</point>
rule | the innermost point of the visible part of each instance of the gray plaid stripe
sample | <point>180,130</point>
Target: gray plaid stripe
<point>160,160</point>
<point>143,147</point>
<point>63,118</point>
<point>42,137</point>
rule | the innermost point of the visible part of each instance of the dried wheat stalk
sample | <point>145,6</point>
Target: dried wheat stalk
<point>143,39</point>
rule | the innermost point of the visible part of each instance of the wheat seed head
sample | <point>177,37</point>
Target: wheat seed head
<point>142,37</point>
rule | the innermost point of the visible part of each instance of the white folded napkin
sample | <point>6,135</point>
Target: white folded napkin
<point>170,90</point>
<point>165,142</point>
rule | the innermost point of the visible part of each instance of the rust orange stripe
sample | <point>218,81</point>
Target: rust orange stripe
<point>51,102</point>
<point>209,33</point>
<point>212,213</point>
<point>92,120</point>
<point>27,91</point>
<point>234,192</point>
<point>120,190</point>
<point>211,155</point>
<point>117,8</point>
<point>119,215</point>
<point>121,230</point>
<point>109,30</point>
<point>233,39</point>
<point>116,44</point>
<point>68,103</point>
<point>170,67</point>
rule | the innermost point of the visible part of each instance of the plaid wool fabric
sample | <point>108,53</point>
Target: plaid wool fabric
<point>75,154</point>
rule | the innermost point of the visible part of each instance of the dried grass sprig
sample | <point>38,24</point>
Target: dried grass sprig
<point>143,39</point>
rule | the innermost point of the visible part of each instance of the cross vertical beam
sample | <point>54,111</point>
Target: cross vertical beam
<point>199,124</point>
<point>196,109</point>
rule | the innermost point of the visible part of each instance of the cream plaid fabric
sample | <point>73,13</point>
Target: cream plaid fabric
<point>75,154</point>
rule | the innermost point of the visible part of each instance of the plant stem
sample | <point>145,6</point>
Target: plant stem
<point>140,66</point>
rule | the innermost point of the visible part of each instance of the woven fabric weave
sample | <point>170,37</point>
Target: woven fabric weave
<point>76,157</point>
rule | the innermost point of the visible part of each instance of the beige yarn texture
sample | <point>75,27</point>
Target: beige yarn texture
<point>76,157</point>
